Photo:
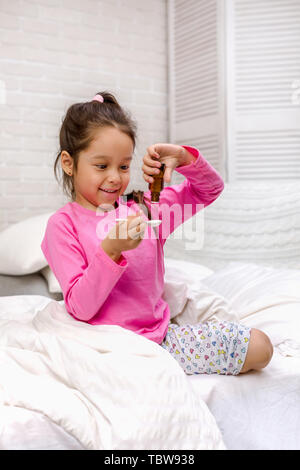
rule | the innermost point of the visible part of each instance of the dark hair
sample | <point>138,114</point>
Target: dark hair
<point>76,134</point>
<point>138,197</point>
<point>77,128</point>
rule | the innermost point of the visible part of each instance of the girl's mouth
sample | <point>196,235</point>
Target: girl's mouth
<point>109,191</point>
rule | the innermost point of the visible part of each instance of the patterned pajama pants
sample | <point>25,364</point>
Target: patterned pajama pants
<point>208,348</point>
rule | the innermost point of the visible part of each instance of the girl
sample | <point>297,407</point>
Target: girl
<point>112,273</point>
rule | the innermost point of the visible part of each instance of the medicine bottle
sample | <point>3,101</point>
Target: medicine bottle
<point>157,186</point>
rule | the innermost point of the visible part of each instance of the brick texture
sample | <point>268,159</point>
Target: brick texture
<point>57,52</point>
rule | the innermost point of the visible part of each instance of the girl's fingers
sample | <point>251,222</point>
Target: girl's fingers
<point>168,175</point>
<point>138,231</point>
<point>135,227</point>
<point>134,220</point>
<point>151,162</point>
<point>148,179</point>
<point>152,152</point>
<point>150,173</point>
<point>150,168</point>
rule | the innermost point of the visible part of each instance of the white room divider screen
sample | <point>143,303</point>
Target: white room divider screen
<point>234,82</point>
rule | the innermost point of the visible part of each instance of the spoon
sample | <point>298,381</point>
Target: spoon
<point>152,223</point>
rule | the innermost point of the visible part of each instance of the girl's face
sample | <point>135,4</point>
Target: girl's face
<point>103,170</point>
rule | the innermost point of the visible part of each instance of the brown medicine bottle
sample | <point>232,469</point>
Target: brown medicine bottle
<point>157,186</point>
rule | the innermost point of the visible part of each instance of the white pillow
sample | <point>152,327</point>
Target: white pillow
<point>264,298</point>
<point>53,284</point>
<point>20,246</point>
<point>176,271</point>
<point>179,277</point>
<point>180,270</point>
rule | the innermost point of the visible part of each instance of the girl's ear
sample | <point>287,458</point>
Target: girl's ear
<point>66,162</point>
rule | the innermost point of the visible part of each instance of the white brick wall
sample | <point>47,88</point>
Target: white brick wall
<point>57,52</point>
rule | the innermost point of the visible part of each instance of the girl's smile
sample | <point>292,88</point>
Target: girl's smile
<point>109,190</point>
<point>110,193</point>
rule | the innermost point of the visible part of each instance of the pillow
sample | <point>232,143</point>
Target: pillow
<point>180,277</point>
<point>176,271</point>
<point>20,246</point>
<point>53,284</point>
<point>179,270</point>
<point>251,222</point>
<point>264,298</point>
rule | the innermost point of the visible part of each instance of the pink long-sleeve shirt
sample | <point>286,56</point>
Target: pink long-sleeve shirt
<point>128,292</point>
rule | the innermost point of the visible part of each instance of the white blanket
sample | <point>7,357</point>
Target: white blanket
<point>112,389</point>
<point>257,296</point>
<point>261,409</point>
<point>104,385</point>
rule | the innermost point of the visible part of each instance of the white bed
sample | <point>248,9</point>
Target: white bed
<point>260,409</point>
<point>251,244</point>
<point>66,384</point>
<point>257,410</point>
<point>62,385</point>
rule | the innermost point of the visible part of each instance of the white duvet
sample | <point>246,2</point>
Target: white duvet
<point>260,409</point>
<point>257,296</point>
<point>109,388</point>
<point>105,386</point>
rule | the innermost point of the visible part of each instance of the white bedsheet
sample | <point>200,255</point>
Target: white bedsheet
<point>260,409</point>
<point>25,429</point>
<point>105,386</point>
<point>43,349</point>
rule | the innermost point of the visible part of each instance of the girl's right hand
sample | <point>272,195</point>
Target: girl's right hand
<point>125,235</point>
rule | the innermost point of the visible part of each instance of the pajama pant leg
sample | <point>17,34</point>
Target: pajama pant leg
<point>208,348</point>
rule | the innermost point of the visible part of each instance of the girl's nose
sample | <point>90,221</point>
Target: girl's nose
<point>114,177</point>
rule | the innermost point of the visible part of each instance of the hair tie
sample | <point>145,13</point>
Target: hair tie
<point>98,98</point>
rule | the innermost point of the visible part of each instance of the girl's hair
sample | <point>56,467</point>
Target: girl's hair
<point>76,134</point>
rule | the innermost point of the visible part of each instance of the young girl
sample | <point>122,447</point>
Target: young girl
<point>111,272</point>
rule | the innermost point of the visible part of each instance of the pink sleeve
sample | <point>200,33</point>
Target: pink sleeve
<point>202,186</point>
<point>85,286</point>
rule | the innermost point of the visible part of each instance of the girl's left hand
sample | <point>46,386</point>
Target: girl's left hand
<point>169,154</point>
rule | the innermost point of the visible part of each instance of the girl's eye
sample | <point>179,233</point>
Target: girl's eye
<point>101,167</point>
